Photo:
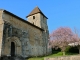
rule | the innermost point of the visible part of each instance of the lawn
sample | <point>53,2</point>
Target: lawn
<point>52,55</point>
<point>42,58</point>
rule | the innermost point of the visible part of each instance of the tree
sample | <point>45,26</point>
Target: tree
<point>77,33</point>
<point>61,38</point>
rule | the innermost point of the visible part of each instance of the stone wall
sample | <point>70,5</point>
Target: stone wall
<point>30,37</point>
<point>19,37</point>
<point>41,22</point>
<point>36,21</point>
<point>1,30</point>
<point>74,57</point>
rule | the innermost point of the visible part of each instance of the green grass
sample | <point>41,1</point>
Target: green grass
<point>38,58</point>
<point>42,58</point>
<point>52,55</point>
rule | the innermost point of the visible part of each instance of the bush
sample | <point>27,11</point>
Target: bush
<point>67,49</point>
<point>56,50</point>
<point>72,49</point>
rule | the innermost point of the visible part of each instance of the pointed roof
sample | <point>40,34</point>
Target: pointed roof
<point>35,11</point>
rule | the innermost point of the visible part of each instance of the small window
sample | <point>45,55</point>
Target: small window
<point>33,17</point>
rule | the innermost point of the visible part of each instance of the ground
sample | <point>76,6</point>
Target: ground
<point>52,55</point>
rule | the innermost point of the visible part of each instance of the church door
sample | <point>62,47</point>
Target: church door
<point>12,49</point>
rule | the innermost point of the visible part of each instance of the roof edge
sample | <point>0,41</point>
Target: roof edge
<point>22,19</point>
<point>36,13</point>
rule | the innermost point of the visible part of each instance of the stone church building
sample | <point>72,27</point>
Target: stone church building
<point>19,37</point>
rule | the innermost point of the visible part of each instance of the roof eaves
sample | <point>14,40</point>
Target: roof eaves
<point>22,19</point>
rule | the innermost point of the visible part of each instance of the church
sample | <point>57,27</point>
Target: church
<point>19,37</point>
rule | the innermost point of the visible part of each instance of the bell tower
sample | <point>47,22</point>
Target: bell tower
<point>37,18</point>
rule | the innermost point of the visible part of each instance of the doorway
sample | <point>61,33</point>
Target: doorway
<point>12,49</point>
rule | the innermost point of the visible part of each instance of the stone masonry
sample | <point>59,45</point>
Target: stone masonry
<point>19,37</point>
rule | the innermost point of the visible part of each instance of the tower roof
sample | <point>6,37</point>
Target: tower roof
<point>35,11</point>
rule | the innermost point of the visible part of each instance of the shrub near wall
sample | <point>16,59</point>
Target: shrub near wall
<point>72,50</point>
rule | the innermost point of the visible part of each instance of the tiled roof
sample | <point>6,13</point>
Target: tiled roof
<point>35,11</point>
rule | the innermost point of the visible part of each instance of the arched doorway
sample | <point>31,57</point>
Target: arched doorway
<point>12,49</point>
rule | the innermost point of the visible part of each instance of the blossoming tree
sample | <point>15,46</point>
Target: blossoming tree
<point>62,37</point>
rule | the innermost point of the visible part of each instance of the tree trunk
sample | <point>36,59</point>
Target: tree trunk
<point>63,53</point>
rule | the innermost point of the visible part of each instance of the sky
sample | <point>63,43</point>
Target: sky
<point>60,13</point>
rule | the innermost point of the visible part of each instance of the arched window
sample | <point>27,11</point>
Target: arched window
<point>33,17</point>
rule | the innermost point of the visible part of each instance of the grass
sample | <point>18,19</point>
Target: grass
<point>38,58</point>
<point>52,55</point>
<point>42,58</point>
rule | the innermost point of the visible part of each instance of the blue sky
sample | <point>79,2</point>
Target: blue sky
<point>61,13</point>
